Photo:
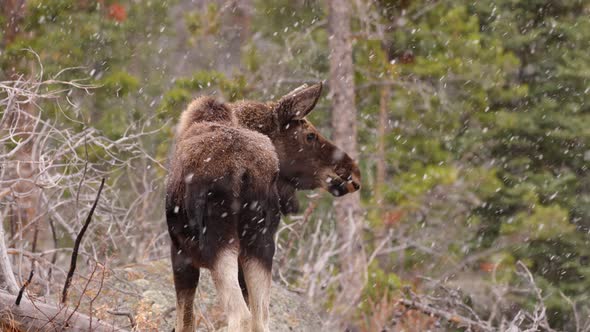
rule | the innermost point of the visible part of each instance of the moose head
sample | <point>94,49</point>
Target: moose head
<point>307,159</point>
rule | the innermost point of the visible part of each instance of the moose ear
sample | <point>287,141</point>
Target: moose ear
<point>298,103</point>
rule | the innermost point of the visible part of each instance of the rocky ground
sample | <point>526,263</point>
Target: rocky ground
<point>146,292</point>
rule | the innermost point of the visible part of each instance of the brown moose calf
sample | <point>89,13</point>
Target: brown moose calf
<point>235,167</point>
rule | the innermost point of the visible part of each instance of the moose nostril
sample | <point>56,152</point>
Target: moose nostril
<point>356,185</point>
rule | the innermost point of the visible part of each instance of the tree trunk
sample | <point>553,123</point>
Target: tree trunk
<point>13,11</point>
<point>347,210</point>
<point>381,132</point>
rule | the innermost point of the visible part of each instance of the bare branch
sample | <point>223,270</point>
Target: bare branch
<point>453,318</point>
<point>7,280</point>
<point>22,289</point>
<point>77,245</point>
<point>126,314</point>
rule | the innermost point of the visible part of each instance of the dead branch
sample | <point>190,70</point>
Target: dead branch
<point>101,284</point>
<point>54,258</point>
<point>84,292</point>
<point>538,317</point>
<point>452,318</point>
<point>22,289</point>
<point>306,215</point>
<point>7,280</point>
<point>124,313</point>
<point>30,316</point>
<point>77,245</point>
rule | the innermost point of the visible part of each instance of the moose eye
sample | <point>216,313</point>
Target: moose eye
<point>311,137</point>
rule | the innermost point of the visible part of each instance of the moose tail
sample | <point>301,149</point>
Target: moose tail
<point>195,205</point>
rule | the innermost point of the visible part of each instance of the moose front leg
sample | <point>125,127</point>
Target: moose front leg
<point>287,197</point>
<point>186,279</point>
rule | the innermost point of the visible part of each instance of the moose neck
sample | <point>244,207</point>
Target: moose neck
<point>259,117</point>
<point>262,118</point>
<point>256,116</point>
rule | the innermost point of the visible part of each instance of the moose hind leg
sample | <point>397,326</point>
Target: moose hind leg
<point>259,222</point>
<point>256,261</point>
<point>242,282</point>
<point>225,277</point>
<point>257,274</point>
<point>186,279</point>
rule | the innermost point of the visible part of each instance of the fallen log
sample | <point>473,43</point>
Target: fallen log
<point>46,317</point>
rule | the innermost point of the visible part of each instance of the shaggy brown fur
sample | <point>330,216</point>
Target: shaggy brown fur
<point>222,205</point>
<point>217,158</point>
<point>204,109</point>
<point>232,166</point>
<point>210,152</point>
<point>256,116</point>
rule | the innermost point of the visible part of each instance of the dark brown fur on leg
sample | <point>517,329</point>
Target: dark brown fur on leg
<point>256,260</point>
<point>259,221</point>
<point>287,197</point>
<point>186,279</point>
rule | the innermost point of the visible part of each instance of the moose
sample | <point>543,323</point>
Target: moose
<point>234,169</point>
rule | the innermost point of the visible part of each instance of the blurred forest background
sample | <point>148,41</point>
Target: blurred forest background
<point>473,136</point>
